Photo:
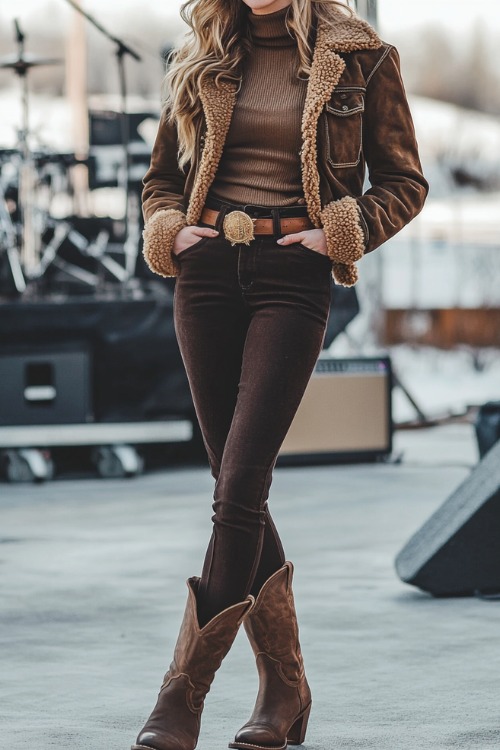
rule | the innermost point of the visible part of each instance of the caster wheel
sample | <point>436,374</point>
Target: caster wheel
<point>27,465</point>
<point>117,461</point>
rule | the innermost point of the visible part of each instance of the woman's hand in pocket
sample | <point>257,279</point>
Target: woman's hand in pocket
<point>314,239</point>
<point>189,236</point>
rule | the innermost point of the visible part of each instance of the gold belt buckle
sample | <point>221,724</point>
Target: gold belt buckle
<point>238,228</point>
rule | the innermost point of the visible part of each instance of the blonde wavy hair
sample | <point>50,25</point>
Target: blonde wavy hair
<point>215,46</point>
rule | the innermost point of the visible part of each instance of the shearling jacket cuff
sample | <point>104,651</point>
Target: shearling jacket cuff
<point>345,238</point>
<point>159,235</point>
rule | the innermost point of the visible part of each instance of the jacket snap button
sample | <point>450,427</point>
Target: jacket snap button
<point>344,107</point>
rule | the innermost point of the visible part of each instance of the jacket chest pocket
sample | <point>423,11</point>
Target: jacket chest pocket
<point>343,124</point>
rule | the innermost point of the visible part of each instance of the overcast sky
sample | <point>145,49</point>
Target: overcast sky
<point>394,14</point>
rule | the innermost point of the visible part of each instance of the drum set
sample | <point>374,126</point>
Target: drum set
<point>35,235</point>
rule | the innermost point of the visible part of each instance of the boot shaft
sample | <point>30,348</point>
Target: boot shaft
<point>283,702</point>
<point>174,723</point>
<point>199,651</point>
<point>272,626</point>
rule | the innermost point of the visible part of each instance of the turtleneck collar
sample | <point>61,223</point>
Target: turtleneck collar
<point>269,29</point>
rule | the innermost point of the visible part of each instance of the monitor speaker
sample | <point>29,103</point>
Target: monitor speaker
<point>345,413</point>
<point>487,426</point>
<point>45,385</point>
<point>457,551</point>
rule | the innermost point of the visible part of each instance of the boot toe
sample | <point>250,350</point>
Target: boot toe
<point>259,736</point>
<point>149,741</point>
<point>155,741</point>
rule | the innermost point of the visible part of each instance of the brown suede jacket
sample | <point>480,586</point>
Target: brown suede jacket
<point>356,115</point>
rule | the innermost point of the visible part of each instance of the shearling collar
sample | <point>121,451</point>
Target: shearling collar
<point>348,34</point>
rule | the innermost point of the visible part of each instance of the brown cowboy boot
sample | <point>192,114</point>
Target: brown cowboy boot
<point>283,702</point>
<point>175,721</point>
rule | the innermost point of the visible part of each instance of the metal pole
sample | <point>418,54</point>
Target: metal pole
<point>76,89</point>
<point>372,304</point>
<point>368,9</point>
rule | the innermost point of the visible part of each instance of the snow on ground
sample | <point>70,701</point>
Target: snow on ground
<point>424,273</point>
<point>443,381</point>
<point>462,217</point>
<point>442,128</point>
<point>449,255</point>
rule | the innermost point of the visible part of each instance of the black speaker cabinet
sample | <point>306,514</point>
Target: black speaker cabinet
<point>487,426</point>
<point>457,551</point>
<point>345,413</point>
<point>44,385</point>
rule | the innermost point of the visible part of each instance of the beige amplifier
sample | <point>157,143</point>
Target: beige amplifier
<point>345,413</point>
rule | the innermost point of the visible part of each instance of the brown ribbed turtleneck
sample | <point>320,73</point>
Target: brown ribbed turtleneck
<point>261,163</point>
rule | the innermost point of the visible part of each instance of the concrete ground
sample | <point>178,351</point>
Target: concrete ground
<point>93,590</point>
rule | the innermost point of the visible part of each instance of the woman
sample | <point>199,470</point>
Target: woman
<point>254,200</point>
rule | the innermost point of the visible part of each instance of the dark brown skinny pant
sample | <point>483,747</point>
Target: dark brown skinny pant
<point>250,322</point>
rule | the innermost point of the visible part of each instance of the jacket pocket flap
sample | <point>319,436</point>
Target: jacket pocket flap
<point>346,103</point>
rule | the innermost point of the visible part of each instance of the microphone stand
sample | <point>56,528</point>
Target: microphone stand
<point>29,245</point>
<point>121,51</point>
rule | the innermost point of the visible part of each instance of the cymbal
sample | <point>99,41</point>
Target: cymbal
<point>24,63</point>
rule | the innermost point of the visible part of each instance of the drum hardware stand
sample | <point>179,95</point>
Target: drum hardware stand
<point>21,239</point>
<point>76,272</point>
<point>8,241</point>
<point>95,248</point>
<point>23,244</point>
<point>30,245</point>
<point>132,231</point>
<point>131,244</point>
